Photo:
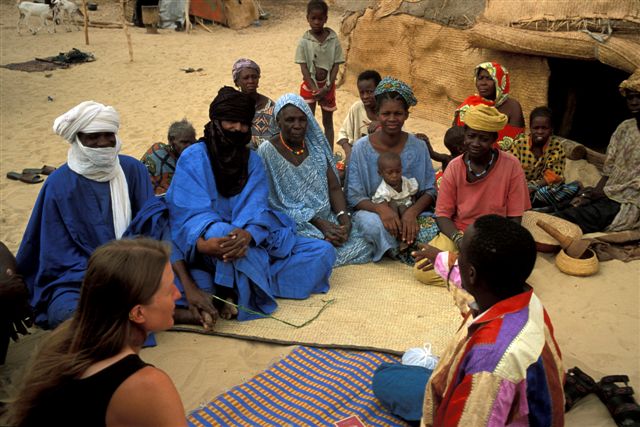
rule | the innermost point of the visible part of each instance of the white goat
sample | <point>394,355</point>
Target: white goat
<point>68,12</point>
<point>43,11</point>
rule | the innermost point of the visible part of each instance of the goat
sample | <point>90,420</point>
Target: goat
<point>68,12</point>
<point>44,11</point>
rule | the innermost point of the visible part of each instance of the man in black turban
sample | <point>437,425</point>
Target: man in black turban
<point>227,136</point>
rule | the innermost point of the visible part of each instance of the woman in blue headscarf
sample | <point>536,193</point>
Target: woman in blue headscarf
<point>304,183</point>
<point>380,223</point>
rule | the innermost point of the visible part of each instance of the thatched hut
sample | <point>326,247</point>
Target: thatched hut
<point>570,54</point>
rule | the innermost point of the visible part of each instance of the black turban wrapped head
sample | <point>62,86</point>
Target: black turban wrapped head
<point>228,150</point>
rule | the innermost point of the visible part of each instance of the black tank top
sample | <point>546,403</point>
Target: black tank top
<point>84,402</point>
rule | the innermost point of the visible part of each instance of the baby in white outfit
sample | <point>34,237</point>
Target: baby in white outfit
<point>396,190</point>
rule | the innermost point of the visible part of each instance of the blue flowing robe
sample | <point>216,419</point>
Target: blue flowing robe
<point>363,180</point>
<point>277,264</point>
<point>71,218</point>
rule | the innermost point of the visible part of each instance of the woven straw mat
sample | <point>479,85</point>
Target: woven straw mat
<point>377,307</point>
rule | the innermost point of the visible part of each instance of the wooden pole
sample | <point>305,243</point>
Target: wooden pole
<point>126,30</point>
<point>85,12</point>
<point>187,21</point>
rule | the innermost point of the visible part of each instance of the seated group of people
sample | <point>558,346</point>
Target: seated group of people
<point>252,219</point>
<point>256,209</point>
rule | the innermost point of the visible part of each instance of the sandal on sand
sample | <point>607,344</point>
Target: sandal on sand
<point>44,170</point>
<point>28,178</point>
<point>576,386</point>
<point>623,408</point>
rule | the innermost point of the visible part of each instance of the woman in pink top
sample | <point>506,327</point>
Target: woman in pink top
<point>483,181</point>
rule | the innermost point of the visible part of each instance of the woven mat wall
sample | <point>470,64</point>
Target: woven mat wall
<point>506,11</point>
<point>377,307</point>
<point>437,61</point>
<point>617,52</point>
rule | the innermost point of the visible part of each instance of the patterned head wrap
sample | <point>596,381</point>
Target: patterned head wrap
<point>389,84</point>
<point>243,63</point>
<point>314,136</point>
<point>632,83</point>
<point>500,76</point>
<point>486,118</point>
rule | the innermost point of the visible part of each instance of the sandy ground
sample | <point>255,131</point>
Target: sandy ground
<point>597,320</point>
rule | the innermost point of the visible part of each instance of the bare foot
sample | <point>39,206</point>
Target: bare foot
<point>185,317</point>
<point>189,317</point>
<point>228,311</point>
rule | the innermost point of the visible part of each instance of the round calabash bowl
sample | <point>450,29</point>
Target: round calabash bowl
<point>587,265</point>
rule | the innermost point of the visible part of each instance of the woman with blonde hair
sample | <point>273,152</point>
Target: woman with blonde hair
<point>88,371</point>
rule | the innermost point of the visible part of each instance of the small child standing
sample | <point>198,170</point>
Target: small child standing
<point>396,190</point>
<point>319,54</point>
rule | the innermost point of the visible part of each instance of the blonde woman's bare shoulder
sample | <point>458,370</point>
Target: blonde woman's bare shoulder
<point>146,398</point>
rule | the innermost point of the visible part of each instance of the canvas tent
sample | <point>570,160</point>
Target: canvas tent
<point>559,53</point>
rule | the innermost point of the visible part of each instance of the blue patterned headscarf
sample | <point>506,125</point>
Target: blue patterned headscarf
<point>389,84</point>
<point>314,137</point>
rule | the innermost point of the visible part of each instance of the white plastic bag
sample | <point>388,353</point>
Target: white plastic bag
<point>420,356</point>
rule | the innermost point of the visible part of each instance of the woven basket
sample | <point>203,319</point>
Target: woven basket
<point>544,242</point>
<point>585,266</point>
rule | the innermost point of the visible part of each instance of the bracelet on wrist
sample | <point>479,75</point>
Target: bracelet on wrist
<point>457,238</point>
<point>339,214</point>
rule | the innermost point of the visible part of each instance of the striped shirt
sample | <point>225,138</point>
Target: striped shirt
<point>503,367</point>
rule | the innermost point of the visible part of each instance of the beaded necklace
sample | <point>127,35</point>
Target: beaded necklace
<point>296,152</point>
<point>486,169</point>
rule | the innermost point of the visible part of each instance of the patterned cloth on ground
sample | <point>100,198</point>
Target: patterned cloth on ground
<point>310,387</point>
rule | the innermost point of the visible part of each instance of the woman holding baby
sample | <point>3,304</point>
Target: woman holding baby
<point>389,225</point>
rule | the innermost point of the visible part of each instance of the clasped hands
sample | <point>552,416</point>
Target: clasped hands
<point>335,234</point>
<point>228,248</point>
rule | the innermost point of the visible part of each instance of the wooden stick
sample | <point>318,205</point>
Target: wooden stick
<point>107,26</point>
<point>199,22</point>
<point>126,30</point>
<point>187,21</point>
<point>85,12</point>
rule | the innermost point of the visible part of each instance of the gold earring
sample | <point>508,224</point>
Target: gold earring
<point>131,316</point>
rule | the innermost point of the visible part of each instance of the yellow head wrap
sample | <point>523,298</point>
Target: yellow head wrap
<point>483,117</point>
<point>632,83</point>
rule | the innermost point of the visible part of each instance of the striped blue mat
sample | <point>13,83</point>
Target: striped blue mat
<point>310,387</point>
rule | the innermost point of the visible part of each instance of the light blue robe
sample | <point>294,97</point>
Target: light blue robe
<point>302,192</point>
<point>363,180</point>
<point>278,263</point>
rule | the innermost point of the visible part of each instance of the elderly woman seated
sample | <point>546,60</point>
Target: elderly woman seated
<point>221,221</point>
<point>304,183</point>
<point>483,181</point>
<point>246,76</point>
<point>161,159</point>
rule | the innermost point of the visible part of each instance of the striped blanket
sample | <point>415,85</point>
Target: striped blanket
<point>310,387</point>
